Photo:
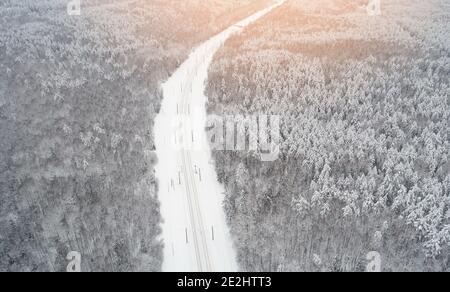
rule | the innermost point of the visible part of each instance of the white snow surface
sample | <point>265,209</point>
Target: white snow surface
<point>195,233</point>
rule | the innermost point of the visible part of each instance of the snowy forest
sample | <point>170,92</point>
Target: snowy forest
<point>364,107</point>
<point>364,103</point>
<point>78,95</point>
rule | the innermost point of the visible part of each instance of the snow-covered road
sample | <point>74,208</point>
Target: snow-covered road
<point>195,232</point>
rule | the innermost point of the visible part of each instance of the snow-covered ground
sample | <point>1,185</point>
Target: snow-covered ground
<point>195,232</point>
